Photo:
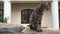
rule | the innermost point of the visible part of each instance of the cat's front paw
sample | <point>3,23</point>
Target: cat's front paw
<point>40,30</point>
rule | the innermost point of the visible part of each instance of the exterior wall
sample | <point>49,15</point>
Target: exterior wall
<point>59,5</point>
<point>25,0</point>
<point>0,0</point>
<point>16,11</point>
<point>28,1</point>
<point>47,19</point>
<point>58,0</point>
<point>31,0</point>
<point>46,0</point>
<point>16,14</point>
<point>1,5</point>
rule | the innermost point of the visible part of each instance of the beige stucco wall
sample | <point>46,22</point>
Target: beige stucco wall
<point>16,11</point>
<point>16,14</point>
<point>1,5</point>
<point>47,20</point>
<point>31,0</point>
<point>0,0</point>
<point>25,0</point>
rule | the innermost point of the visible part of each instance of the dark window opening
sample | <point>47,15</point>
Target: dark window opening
<point>25,15</point>
<point>1,13</point>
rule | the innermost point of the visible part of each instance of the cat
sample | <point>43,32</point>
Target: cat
<point>36,16</point>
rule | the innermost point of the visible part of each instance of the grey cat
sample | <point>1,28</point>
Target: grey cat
<point>36,16</point>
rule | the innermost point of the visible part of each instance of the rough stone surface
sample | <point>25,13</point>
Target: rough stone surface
<point>13,30</point>
<point>45,31</point>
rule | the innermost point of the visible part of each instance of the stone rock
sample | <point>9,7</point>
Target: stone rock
<point>15,30</point>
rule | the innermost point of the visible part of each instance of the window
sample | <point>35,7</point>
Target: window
<point>1,13</point>
<point>25,15</point>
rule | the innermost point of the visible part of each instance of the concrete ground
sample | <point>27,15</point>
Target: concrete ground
<point>6,25</point>
<point>45,31</point>
<point>29,31</point>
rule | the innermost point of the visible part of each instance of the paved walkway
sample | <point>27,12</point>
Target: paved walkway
<point>45,31</point>
<point>29,31</point>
